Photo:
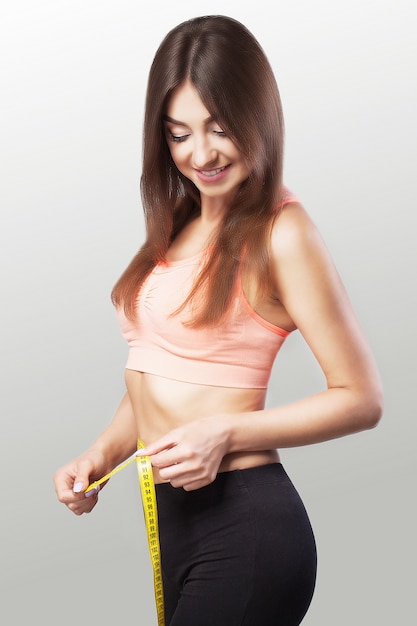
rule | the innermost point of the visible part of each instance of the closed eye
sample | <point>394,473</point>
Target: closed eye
<point>177,138</point>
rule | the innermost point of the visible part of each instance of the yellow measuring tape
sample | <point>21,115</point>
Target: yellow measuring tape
<point>147,488</point>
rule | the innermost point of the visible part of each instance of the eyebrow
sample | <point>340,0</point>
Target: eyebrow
<point>171,120</point>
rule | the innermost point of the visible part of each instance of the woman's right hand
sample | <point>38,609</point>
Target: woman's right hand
<point>72,480</point>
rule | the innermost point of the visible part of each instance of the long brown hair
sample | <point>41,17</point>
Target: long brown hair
<point>234,79</point>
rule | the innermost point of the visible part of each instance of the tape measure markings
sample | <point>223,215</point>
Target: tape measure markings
<point>147,488</point>
<point>148,493</point>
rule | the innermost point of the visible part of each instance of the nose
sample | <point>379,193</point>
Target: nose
<point>204,153</point>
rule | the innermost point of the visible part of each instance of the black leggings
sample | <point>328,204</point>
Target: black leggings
<point>239,552</point>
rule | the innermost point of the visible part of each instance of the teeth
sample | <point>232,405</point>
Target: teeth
<point>212,172</point>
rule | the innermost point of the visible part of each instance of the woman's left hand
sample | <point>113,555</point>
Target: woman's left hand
<point>190,456</point>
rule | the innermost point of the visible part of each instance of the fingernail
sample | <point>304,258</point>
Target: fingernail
<point>92,491</point>
<point>78,487</point>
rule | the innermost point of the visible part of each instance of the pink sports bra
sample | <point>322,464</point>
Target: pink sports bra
<point>239,352</point>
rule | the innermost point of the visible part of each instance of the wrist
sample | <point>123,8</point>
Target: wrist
<point>226,423</point>
<point>105,455</point>
<point>239,433</point>
<point>112,449</point>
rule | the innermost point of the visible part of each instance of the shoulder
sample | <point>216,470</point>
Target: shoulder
<point>294,233</point>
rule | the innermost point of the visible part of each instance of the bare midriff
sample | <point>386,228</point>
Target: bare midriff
<point>162,404</point>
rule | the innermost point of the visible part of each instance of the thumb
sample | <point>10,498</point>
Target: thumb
<point>78,485</point>
<point>81,479</point>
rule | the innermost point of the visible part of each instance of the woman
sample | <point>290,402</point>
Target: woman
<point>231,265</point>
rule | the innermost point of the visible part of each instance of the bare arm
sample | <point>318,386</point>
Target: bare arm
<point>309,288</point>
<point>111,447</point>
<point>119,439</point>
<point>312,293</point>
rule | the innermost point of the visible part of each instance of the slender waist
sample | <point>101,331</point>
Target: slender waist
<point>238,461</point>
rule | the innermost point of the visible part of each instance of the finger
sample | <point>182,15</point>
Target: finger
<point>167,458</point>
<point>188,475</point>
<point>188,484</point>
<point>198,483</point>
<point>63,480</point>
<point>64,489</point>
<point>175,471</point>
<point>84,502</point>
<point>193,486</point>
<point>85,505</point>
<point>160,445</point>
<point>82,477</point>
<point>92,492</point>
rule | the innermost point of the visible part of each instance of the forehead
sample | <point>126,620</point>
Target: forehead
<point>185,104</point>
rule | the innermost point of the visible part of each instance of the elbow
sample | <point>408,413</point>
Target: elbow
<point>365,407</point>
<point>374,415</point>
<point>373,408</point>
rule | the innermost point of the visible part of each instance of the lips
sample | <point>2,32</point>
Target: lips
<point>212,172</point>
<point>214,175</point>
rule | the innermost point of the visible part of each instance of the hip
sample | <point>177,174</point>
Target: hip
<point>248,532</point>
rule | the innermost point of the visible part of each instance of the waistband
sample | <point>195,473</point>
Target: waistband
<point>231,481</point>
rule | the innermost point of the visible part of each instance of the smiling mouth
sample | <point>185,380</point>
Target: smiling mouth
<point>213,172</point>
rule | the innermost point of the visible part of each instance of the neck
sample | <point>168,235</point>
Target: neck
<point>213,209</point>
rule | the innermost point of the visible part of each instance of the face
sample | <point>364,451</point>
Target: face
<point>201,149</point>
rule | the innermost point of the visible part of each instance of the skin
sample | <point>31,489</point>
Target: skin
<point>194,431</point>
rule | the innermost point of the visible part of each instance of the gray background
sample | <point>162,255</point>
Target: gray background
<point>73,77</point>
